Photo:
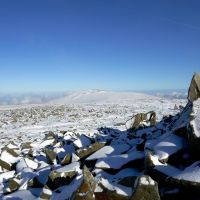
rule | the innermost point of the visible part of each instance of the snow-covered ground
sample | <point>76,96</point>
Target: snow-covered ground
<point>79,112</point>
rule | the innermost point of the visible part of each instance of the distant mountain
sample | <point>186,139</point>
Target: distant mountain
<point>101,97</point>
<point>88,96</point>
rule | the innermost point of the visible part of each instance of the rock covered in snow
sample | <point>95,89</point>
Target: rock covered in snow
<point>87,187</point>
<point>145,188</point>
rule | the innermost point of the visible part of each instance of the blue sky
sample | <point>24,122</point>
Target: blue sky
<point>98,44</point>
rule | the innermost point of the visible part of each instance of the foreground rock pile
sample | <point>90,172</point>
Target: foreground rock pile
<point>150,163</point>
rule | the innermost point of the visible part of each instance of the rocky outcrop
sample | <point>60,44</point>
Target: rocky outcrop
<point>194,89</point>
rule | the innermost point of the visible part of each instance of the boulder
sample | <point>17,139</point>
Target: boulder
<point>46,193</point>
<point>26,145</point>
<point>194,89</point>
<point>83,153</point>
<point>87,187</point>
<point>6,175</point>
<point>41,179</point>
<point>9,158</point>
<point>6,165</point>
<point>13,185</point>
<point>66,160</point>
<point>107,190</point>
<point>145,189</point>
<point>82,142</point>
<point>51,156</point>
<point>63,175</point>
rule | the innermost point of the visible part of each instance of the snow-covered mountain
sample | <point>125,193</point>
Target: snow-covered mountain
<point>102,97</point>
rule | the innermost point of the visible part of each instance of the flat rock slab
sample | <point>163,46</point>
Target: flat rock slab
<point>166,145</point>
<point>109,151</point>
<point>117,161</point>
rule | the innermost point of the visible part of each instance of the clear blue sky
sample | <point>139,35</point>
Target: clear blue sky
<point>98,44</point>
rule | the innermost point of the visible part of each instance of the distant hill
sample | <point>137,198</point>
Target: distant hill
<point>87,96</point>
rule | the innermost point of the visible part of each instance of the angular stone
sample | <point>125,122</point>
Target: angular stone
<point>6,175</point>
<point>66,160</point>
<point>13,185</point>
<point>41,179</point>
<point>86,190</point>
<point>46,193</point>
<point>31,163</point>
<point>145,188</point>
<point>48,142</point>
<point>50,135</point>
<point>75,158</point>
<point>10,151</point>
<point>194,89</point>
<point>83,153</point>
<point>82,142</point>
<point>26,145</point>
<point>63,176</point>
<point>5,165</point>
<point>51,156</point>
<point>13,146</point>
<point>140,119</point>
<point>108,190</point>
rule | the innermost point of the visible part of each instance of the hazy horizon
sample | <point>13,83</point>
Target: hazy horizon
<point>41,97</point>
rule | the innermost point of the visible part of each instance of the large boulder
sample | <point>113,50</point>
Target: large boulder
<point>194,89</point>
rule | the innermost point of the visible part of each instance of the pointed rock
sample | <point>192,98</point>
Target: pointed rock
<point>194,89</point>
<point>145,188</point>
